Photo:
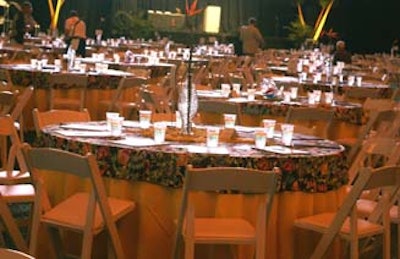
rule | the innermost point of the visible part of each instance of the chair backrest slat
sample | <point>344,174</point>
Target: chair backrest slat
<point>69,80</point>
<point>238,179</point>
<point>126,83</point>
<point>43,119</point>
<point>7,101</point>
<point>384,177</point>
<point>22,100</point>
<point>60,161</point>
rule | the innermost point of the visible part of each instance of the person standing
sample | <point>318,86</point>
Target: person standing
<point>75,33</point>
<point>24,22</point>
<point>252,40</point>
<point>341,54</point>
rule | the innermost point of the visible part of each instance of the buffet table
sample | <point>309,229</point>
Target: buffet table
<point>313,174</point>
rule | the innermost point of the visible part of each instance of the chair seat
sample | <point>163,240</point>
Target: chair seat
<point>365,207</point>
<point>16,177</point>
<point>61,214</point>
<point>17,193</point>
<point>321,222</point>
<point>223,230</point>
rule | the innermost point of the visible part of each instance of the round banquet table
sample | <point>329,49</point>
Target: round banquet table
<point>348,116</point>
<point>101,86</point>
<point>312,179</point>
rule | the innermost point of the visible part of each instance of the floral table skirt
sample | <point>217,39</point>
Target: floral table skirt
<point>320,171</point>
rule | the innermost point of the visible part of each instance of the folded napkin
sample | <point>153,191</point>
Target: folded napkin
<point>283,150</point>
<point>84,133</point>
<point>85,126</point>
<point>137,142</point>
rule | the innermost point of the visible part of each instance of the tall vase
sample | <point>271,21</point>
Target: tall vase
<point>187,106</point>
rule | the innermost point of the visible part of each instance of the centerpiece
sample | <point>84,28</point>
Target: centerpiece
<point>188,101</point>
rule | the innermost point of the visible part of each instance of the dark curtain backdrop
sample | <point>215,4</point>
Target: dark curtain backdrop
<point>366,25</point>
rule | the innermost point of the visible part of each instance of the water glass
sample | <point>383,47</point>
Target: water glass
<point>260,138</point>
<point>359,81</point>
<point>116,125</point>
<point>269,127</point>
<point>286,96</point>
<point>212,136</point>
<point>226,89</point>
<point>350,80</point>
<point>34,63</point>
<point>303,76</point>
<point>44,62</point>
<point>293,92</point>
<point>251,94</point>
<point>317,95</point>
<point>287,133</point>
<point>311,98</point>
<point>109,116</point>
<point>144,119</point>
<point>230,120</point>
<point>116,57</point>
<point>159,132</point>
<point>328,97</point>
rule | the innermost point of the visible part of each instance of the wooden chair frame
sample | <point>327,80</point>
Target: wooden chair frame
<point>43,119</point>
<point>385,178</point>
<point>311,115</point>
<point>84,167</point>
<point>69,82</point>
<point>248,181</point>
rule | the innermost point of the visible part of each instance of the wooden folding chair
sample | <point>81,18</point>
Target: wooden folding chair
<point>62,87</point>
<point>20,104</point>
<point>199,230</point>
<point>43,119</point>
<point>384,122</point>
<point>317,119</point>
<point>372,104</point>
<point>157,102</point>
<point>15,187</point>
<point>7,102</point>
<point>8,172</point>
<point>127,95</point>
<point>346,224</point>
<point>86,212</point>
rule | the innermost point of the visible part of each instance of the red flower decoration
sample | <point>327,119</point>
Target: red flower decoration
<point>192,10</point>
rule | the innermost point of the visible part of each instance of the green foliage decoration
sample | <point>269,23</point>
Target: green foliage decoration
<point>131,26</point>
<point>299,33</point>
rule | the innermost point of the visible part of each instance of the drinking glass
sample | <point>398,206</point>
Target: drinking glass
<point>230,120</point>
<point>144,119</point>
<point>269,126</point>
<point>287,133</point>
<point>212,136</point>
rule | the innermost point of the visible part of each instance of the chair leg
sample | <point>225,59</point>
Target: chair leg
<point>87,246</point>
<point>189,249</point>
<point>12,227</point>
<point>57,242</point>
